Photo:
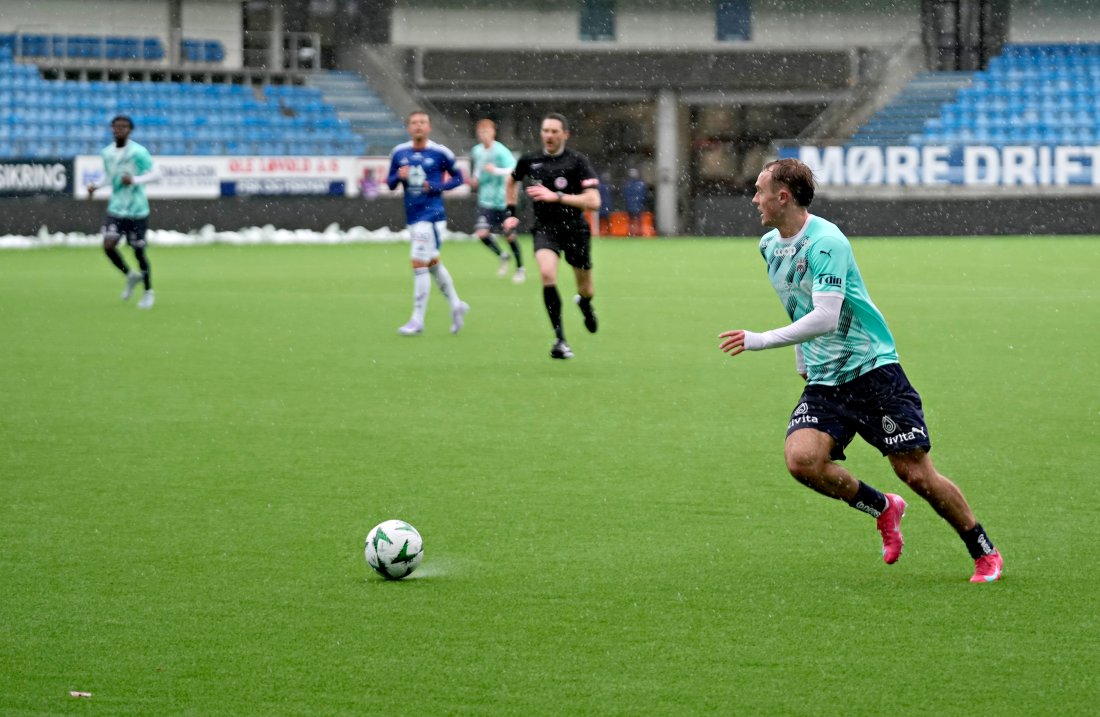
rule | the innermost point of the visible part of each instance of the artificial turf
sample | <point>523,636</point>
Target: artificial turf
<point>184,492</point>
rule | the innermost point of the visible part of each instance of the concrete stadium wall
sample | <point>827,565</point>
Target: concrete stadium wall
<point>651,24</point>
<point>202,20</point>
<point>1034,21</point>
<point>77,17</point>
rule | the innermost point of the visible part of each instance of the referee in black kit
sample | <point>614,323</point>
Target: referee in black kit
<point>563,186</point>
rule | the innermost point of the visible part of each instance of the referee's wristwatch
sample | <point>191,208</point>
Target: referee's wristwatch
<point>559,195</point>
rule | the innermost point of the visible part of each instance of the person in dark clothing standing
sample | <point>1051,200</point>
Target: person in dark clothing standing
<point>563,186</point>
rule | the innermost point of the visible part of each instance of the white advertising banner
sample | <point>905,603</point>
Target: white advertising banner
<point>213,177</point>
<point>181,178</point>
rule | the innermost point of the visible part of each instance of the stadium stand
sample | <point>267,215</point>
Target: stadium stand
<point>357,103</point>
<point>1029,94</point>
<point>42,118</point>
<point>908,111</point>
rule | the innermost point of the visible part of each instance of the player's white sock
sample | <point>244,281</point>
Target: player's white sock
<point>422,286</point>
<point>443,279</point>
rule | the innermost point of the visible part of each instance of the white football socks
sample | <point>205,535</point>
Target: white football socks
<point>446,285</point>
<point>422,285</point>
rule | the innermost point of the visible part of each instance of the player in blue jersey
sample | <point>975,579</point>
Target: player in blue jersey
<point>855,384</point>
<point>426,170</point>
<point>127,167</point>
<point>492,165</point>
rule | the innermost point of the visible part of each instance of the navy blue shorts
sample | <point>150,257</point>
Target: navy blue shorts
<point>132,229</point>
<point>491,219</point>
<point>881,406</point>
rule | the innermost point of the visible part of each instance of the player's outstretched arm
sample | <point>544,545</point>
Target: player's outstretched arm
<point>823,319</point>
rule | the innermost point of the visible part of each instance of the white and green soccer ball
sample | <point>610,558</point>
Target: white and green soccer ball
<point>394,549</point>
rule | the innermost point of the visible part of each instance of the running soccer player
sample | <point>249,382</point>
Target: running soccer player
<point>855,384</point>
<point>563,186</point>
<point>128,167</point>
<point>426,170</point>
<point>493,163</point>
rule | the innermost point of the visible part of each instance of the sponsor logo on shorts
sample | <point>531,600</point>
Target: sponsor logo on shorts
<point>888,424</point>
<point>905,437</point>
<point>801,417</point>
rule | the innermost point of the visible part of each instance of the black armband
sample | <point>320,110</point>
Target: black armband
<point>510,211</point>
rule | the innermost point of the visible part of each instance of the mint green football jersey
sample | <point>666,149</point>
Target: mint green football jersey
<point>820,259</point>
<point>490,187</point>
<point>127,202</point>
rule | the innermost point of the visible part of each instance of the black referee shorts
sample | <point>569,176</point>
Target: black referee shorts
<point>574,242</point>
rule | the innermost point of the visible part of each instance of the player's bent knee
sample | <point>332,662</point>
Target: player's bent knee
<point>805,464</point>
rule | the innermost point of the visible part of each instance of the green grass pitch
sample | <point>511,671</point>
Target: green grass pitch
<point>184,492</point>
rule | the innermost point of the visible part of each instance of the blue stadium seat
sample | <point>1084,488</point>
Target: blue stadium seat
<point>1033,94</point>
<point>213,51</point>
<point>152,50</point>
<point>191,50</point>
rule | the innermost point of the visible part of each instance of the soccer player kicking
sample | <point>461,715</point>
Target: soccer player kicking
<point>128,167</point>
<point>493,163</point>
<point>563,186</point>
<point>426,170</point>
<point>855,384</point>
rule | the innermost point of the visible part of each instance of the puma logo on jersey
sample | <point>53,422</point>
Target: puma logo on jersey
<point>827,253</point>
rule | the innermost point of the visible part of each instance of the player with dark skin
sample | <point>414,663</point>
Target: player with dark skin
<point>127,167</point>
<point>120,130</point>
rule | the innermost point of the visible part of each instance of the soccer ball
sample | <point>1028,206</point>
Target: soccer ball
<point>394,549</point>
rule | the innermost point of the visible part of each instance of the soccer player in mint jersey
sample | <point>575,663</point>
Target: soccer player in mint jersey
<point>426,170</point>
<point>492,165</point>
<point>563,186</point>
<point>128,167</point>
<point>854,383</point>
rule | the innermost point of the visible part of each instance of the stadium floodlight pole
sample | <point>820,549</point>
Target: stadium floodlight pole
<point>668,163</point>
